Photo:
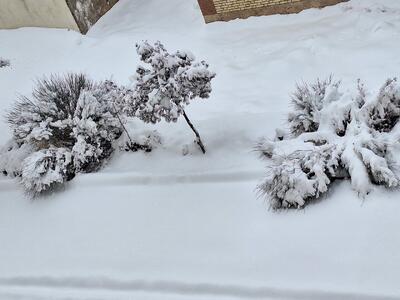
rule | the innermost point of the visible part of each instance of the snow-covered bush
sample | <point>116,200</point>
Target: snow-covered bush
<point>4,63</point>
<point>334,135</point>
<point>67,114</point>
<point>163,89</point>
<point>47,168</point>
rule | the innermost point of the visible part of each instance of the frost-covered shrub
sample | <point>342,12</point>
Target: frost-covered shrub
<point>47,168</point>
<point>168,83</point>
<point>69,114</point>
<point>4,63</point>
<point>334,135</point>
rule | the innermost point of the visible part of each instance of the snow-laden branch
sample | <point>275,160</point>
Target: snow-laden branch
<point>334,135</point>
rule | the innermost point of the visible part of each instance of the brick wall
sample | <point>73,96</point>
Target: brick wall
<point>224,10</point>
<point>223,6</point>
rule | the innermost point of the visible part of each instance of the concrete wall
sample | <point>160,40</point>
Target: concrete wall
<point>224,10</point>
<point>36,13</point>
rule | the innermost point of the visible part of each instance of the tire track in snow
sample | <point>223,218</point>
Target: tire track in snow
<point>183,288</point>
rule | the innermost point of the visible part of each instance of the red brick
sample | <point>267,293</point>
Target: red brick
<point>207,7</point>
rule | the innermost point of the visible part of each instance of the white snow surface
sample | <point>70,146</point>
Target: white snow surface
<point>168,226</point>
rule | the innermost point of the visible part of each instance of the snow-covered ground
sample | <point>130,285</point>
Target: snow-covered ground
<point>167,226</point>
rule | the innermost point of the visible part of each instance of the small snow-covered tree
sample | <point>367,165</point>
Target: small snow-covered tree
<point>334,135</point>
<point>163,89</point>
<point>68,114</point>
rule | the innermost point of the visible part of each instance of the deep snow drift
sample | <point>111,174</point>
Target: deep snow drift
<point>164,225</point>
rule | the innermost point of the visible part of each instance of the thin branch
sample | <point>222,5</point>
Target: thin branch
<point>122,124</point>
<point>198,138</point>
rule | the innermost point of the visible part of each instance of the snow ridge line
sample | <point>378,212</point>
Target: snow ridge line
<point>25,296</point>
<point>183,288</point>
<point>125,179</point>
<point>102,179</point>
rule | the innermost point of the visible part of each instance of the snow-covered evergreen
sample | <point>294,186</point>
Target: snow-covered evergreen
<point>334,135</point>
<point>67,116</point>
<point>96,127</point>
<point>163,89</point>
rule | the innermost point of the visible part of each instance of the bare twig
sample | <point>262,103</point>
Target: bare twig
<point>122,124</point>
<point>198,139</point>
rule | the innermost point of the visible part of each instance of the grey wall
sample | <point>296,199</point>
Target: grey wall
<point>36,13</point>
